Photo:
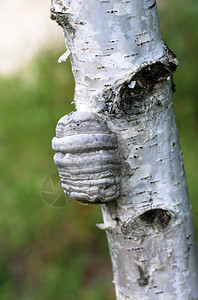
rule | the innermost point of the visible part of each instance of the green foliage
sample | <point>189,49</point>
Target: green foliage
<point>46,252</point>
<point>179,27</point>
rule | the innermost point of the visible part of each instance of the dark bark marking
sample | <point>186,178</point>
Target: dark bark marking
<point>156,217</point>
<point>129,98</point>
<point>158,292</point>
<point>80,23</point>
<point>112,42</point>
<point>152,6</point>
<point>173,62</point>
<point>142,280</point>
<point>99,68</point>
<point>111,11</point>
<point>131,55</point>
<point>62,19</point>
<point>140,44</point>
<point>146,223</point>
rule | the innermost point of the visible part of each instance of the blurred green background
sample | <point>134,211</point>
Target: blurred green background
<point>49,252</point>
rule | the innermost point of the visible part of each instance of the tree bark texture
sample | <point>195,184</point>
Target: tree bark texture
<point>123,74</point>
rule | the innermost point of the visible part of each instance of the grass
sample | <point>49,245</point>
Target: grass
<point>46,252</point>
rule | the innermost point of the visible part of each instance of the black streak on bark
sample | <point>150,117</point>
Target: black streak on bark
<point>62,20</point>
<point>143,280</point>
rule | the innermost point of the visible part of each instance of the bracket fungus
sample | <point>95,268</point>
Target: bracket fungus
<point>87,158</point>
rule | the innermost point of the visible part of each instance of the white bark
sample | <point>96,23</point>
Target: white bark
<point>123,74</point>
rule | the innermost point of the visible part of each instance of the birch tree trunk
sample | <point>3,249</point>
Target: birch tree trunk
<point>123,74</point>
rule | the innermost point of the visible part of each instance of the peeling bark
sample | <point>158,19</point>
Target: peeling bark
<point>123,74</point>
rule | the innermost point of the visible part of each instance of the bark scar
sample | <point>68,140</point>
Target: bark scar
<point>156,217</point>
<point>142,280</point>
<point>128,97</point>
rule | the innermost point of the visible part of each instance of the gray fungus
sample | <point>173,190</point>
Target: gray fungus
<point>87,158</point>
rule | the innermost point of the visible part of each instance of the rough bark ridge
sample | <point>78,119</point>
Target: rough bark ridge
<point>123,73</point>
